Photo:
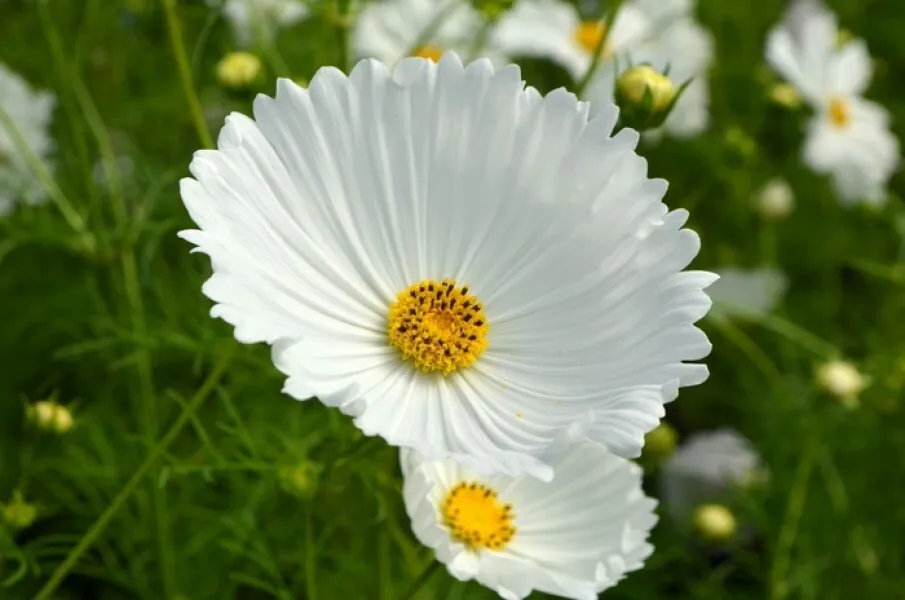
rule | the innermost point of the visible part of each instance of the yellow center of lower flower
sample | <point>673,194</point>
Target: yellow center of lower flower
<point>429,52</point>
<point>839,112</point>
<point>438,326</point>
<point>588,35</point>
<point>476,518</point>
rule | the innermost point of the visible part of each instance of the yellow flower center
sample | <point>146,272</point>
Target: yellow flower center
<point>429,52</point>
<point>839,112</point>
<point>588,35</point>
<point>476,518</point>
<point>437,326</point>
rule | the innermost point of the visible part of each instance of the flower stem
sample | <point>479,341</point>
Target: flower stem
<point>598,51</point>
<point>422,580</point>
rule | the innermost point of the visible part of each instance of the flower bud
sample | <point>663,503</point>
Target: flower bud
<point>238,70</point>
<point>714,522</point>
<point>775,199</point>
<point>645,97</point>
<point>842,380</point>
<point>660,443</point>
<point>50,416</point>
<point>18,514</point>
<point>785,95</point>
<point>301,480</point>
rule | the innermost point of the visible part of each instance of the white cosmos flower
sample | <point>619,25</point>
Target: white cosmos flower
<point>252,18</point>
<point>746,293</point>
<point>707,468</point>
<point>848,138</point>
<point>468,268</point>
<point>31,112</point>
<point>573,537</point>
<point>661,33</point>
<point>394,29</point>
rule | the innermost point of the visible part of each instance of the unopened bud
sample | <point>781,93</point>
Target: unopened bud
<point>741,142</point>
<point>775,200</point>
<point>18,514</point>
<point>714,522</point>
<point>301,480</point>
<point>660,443</point>
<point>785,95</point>
<point>50,416</point>
<point>645,97</point>
<point>842,380</point>
<point>238,70</point>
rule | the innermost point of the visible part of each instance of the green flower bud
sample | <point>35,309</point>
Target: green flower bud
<point>301,480</point>
<point>714,522</point>
<point>18,514</point>
<point>645,97</point>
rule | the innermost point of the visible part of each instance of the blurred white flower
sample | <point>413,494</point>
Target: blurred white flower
<point>251,19</point>
<point>775,200</point>
<point>842,380</point>
<point>707,468</point>
<point>849,137</point>
<point>31,112</point>
<point>660,33</point>
<point>573,538</point>
<point>394,29</point>
<point>746,293</point>
<point>429,327</point>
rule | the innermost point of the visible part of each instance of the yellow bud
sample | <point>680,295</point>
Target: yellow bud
<point>18,514</point>
<point>636,80</point>
<point>714,522</point>
<point>238,69</point>
<point>50,416</point>
<point>661,442</point>
<point>785,95</point>
<point>842,380</point>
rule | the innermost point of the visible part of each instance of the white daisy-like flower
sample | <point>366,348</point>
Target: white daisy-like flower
<point>707,468</point>
<point>468,268</point>
<point>746,293</point>
<point>394,29</point>
<point>574,537</point>
<point>849,137</point>
<point>254,19</point>
<point>663,34</point>
<point>31,112</point>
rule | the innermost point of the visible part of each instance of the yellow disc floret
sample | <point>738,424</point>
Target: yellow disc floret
<point>433,53</point>
<point>475,516</point>
<point>840,115</point>
<point>437,326</point>
<point>589,34</point>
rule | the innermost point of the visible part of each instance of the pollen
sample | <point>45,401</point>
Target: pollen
<point>475,516</point>
<point>588,35</point>
<point>433,53</point>
<point>437,326</point>
<point>839,112</point>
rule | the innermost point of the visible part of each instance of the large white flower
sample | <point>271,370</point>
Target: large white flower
<point>707,468</point>
<point>645,31</point>
<point>31,112</point>
<point>573,537</point>
<point>848,138</point>
<point>394,29</point>
<point>466,267</point>
<point>253,18</point>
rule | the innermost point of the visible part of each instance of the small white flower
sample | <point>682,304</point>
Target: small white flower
<point>849,137</point>
<point>466,267</point>
<point>645,31</point>
<point>746,293</point>
<point>775,200</point>
<point>394,29</point>
<point>842,380</point>
<point>573,537</point>
<point>31,113</point>
<point>705,469</point>
<point>254,19</point>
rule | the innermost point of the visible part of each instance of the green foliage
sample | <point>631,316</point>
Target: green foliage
<point>108,317</point>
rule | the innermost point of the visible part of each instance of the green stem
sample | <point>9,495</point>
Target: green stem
<point>797,335</point>
<point>779,585</point>
<point>154,455</point>
<point>598,51</point>
<point>185,73</point>
<point>422,580</point>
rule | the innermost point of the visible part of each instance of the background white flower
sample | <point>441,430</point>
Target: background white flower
<point>707,468</point>
<point>394,29</point>
<point>746,293</point>
<point>645,31</point>
<point>573,537</point>
<point>324,215</point>
<point>31,112</point>
<point>253,18</point>
<point>848,138</point>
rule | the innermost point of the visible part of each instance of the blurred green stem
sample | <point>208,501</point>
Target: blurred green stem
<point>598,51</point>
<point>154,455</point>
<point>422,580</point>
<point>797,335</point>
<point>185,73</point>
<point>779,584</point>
